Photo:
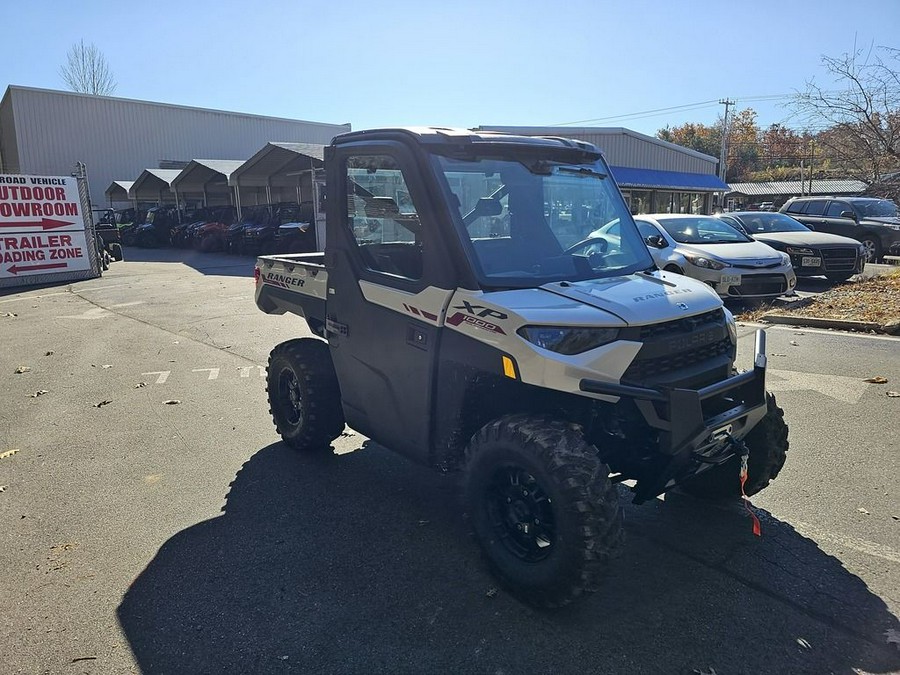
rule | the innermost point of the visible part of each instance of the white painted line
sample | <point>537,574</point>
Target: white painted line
<point>89,315</point>
<point>861,545</point>
<point>213,372</point>
<point>820,331</point>
<point>127,304</point>
<point>99,288</point>
<point>163,375</point>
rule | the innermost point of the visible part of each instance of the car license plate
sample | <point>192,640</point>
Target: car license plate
<point>810,261</point>
<point>731,279</point>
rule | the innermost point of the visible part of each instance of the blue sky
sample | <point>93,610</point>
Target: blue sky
<point>388,63</point>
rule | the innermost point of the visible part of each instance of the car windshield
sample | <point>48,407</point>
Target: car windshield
<point>760,223</point>
<point>530,221</point>
<point>701,230</point>
<point>877,208</point>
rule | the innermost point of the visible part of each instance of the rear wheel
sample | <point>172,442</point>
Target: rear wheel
<point>304,396</point>
<point>543,508</point>
<point>116,249</point>
<point>872,248</point>
<point>768,446</point>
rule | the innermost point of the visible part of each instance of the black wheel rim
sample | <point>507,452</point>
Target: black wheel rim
<point>290,398</point>
<point>520,514</point>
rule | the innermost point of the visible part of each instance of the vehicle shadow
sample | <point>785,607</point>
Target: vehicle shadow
<point>361,563</point>
<point>220,264</point>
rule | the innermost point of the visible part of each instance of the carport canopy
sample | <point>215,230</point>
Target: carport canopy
<point>278,165</point>
<point>118,191</point>
<point>208,177</point>
<point>154,185</point>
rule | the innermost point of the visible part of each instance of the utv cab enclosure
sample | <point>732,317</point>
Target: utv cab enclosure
<point>467,319</point>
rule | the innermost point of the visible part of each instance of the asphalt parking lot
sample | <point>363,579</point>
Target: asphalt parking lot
<point>153,522</point>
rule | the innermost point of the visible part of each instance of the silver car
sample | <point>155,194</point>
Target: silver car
<point>705,248</point>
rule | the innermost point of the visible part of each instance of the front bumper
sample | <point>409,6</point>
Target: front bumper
<point>691,438</point>
<point>742,282</point>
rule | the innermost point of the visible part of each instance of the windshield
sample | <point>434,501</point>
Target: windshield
<point>759,223</point>
<point>527,222</point>
<point>877,208</point>
<point>701,230</point>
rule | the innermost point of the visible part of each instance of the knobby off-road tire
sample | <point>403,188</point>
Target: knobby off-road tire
<point>768,445</point>
<point>116,249</point>
<point>541,473</point>
<point>304,395</point>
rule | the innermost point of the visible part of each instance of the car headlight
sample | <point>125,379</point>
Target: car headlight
<point>568,340</point>
<point>785,259</point>
<point>705,263</point>
<point>793,250</point>
<point>732,327</point>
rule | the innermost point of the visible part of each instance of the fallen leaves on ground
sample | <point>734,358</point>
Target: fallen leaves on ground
<point>101,404</point>
<point>8,453</point>
<point>140,384</point>
<point>10,314</point>
<point>39,392</point>
<point>172,401</point>
<point>893,394</point>
<point>875,300</point>
<point>49,353</point>
<point>22,369</point>
<point>876,380</point>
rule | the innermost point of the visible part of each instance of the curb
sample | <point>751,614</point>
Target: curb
<point>837,324</point>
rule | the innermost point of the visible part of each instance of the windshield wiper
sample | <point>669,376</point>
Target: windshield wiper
<point>583,171</point>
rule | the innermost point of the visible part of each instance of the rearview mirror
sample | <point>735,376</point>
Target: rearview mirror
<point>656,241</point>
<point>848,214</point>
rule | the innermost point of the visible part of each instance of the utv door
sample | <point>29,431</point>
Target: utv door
<point>389,283</point>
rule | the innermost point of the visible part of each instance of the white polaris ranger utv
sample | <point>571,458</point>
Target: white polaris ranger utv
<point>467,320</point>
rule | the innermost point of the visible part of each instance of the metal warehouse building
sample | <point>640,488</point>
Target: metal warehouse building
<point>655,176</point>
<point>46,132</point>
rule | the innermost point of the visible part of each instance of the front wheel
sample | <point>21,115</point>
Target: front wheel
<point>542,506</point>
<point>116,249</point>
<point>768,446</point>
<point>304,396</point>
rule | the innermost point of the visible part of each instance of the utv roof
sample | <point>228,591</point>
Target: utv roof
<point>467,137</point>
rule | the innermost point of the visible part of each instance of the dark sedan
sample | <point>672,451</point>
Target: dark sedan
<point>812,253</point>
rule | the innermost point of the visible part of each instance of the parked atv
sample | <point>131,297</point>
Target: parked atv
<point>107,231</point>
<point>547,371</point>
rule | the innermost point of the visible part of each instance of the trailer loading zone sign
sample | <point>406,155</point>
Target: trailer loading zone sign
<point>42,229</point>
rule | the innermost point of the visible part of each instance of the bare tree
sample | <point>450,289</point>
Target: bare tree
<point>87,71</point>
<point>859,119</point>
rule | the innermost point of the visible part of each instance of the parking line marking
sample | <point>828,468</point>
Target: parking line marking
<point>859,545</point>
<point>213,372</point>
<point>163,375</point>
<point>127,304</point>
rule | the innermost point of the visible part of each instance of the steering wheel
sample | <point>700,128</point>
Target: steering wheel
<point>601,243</point>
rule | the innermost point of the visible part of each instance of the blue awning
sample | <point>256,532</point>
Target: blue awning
<point>628,177</point>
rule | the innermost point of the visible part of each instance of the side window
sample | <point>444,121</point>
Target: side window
<point>796,207</point>
<point>645,228</point>
<point>382,217</point>
<point>835,209</point>
<point>816,207</point>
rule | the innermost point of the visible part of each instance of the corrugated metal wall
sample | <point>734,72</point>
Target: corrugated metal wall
<point>9,151</point>
<point>623,147</point>
<point>119,138</point>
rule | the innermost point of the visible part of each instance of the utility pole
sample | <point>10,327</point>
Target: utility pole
<point>723,154</point>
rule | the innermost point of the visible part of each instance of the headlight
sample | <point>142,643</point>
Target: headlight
<point>786,259</point>
<point>799,251</point>
<point>706,263</point>
<point>566,340</point>
<point>732,327</point>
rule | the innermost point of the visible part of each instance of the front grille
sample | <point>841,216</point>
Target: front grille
<point>839,259</point>
<point>684,325</point>
<point>644,370</point>
<point>760,284</point>
<point>774,263</point>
